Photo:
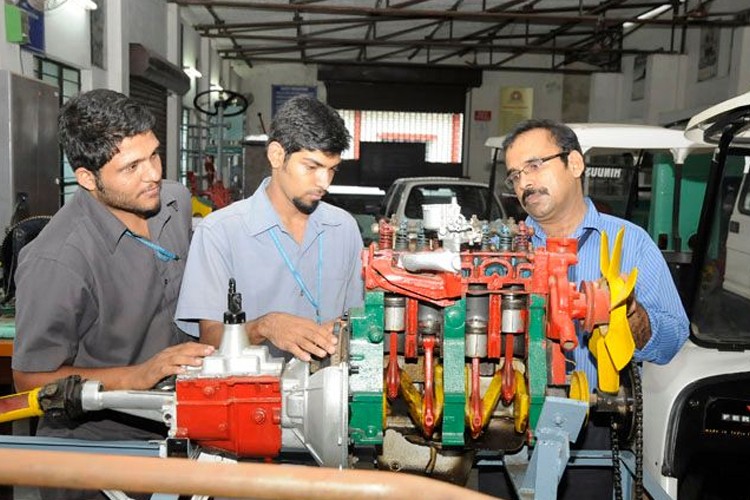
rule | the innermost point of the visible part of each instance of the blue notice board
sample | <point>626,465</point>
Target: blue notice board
<point>36,28</point>
<point>282,93</point>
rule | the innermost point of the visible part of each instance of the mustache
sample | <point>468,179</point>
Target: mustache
<point>531,191</point>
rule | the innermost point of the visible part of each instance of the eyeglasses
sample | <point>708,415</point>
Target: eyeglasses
<point>532,166</point>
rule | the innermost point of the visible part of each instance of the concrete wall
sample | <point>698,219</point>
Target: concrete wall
<point>547,103</point>
<point>259,81</point>
<point>673,91</point>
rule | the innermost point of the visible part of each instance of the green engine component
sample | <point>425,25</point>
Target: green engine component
<point>366,377</point>
<point>537,360</point>
<point>454,352</point>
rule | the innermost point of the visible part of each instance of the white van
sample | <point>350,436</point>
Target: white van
<point>737,274</point>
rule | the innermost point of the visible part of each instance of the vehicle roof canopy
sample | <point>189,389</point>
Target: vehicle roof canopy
<point>625,136</point>
<point>708,125</point>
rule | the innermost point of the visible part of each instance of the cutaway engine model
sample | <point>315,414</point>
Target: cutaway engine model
<point>461,341</point>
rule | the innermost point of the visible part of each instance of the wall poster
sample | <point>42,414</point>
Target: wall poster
<point>708,61</point>
<point>516,105</point>
<point>282,93</point>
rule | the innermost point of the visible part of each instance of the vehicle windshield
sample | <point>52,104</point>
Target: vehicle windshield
<point>720,309</point>
<point>474,200</point>
<point>362,203</point>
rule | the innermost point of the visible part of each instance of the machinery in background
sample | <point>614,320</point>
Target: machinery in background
<point>215,180</point>
<point>16,237</point>
<point>460,347</point>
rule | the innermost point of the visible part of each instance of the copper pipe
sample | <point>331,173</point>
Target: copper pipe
<point>182,476</point>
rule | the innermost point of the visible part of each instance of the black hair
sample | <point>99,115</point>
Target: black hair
<point>93,124</point>
<point>566,139</point>
<point>304,123</point>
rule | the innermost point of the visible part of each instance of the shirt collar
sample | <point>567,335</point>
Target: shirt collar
<point>261,216</point>
<point>591,221</point>
<point>109,226</point>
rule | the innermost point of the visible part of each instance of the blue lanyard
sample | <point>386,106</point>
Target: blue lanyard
<point>298,277</point>
<point>162,253</point>
<point>573,270</point>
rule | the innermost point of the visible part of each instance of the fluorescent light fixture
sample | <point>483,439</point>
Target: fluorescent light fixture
<point>339,189</point>
<point>655,12</point>
<point>256,138</point>
<point>86,4</point>
<point>192,72</point>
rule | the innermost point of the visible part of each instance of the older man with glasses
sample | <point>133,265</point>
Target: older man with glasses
<point>545,166</point>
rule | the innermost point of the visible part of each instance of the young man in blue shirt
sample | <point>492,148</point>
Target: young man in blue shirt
<point>296,260</point>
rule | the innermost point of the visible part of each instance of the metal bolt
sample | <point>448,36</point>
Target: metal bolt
<point>259,416</point>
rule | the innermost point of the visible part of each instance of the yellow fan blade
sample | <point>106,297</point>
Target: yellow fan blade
<point>616,256</point>
<point>619,340</point>
<point>613,346</point>
<point>609,378</point>
<point>594,341</point>
<point>604,255</point>
<point>623,290</point>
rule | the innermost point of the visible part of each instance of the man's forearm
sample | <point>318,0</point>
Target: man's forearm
<point>115,378</point>
<point>639,323</point>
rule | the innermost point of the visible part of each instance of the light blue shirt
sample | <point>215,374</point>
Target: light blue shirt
<point>655,289</point>
<point>235,242</point>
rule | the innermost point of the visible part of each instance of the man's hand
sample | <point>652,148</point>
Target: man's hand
<point>170,361</point>
<point>300,336</point>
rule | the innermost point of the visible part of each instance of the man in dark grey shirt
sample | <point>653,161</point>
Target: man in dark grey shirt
<point>97,289</point>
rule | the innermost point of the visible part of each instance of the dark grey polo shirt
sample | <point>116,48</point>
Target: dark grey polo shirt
<point>89,295</point>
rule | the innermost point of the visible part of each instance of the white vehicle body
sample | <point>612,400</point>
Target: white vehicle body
<point>737,276</point>
<point>627,137</point>
<point>697,407</point>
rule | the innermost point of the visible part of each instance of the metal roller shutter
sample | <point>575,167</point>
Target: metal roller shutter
<point>154,97</point>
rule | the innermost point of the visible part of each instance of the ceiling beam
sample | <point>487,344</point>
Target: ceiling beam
<point>526,69</point>
<point>486,17</point>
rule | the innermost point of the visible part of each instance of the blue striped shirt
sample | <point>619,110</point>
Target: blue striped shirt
<point>655,290</point>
